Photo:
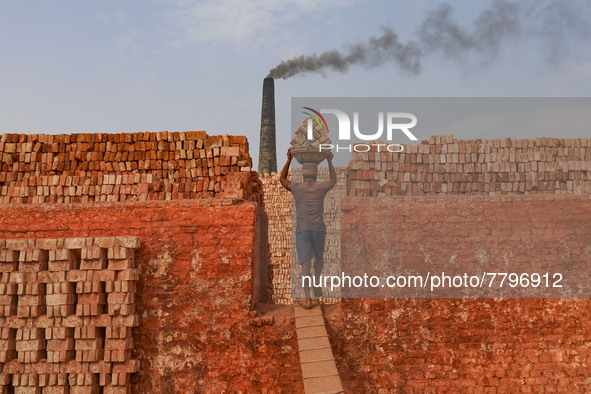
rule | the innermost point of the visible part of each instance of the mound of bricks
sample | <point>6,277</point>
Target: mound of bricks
<point>444,165</point>
<point>67,308</point>
<point>38,168</point>
<point>277,203</point>
<point>319,136</point>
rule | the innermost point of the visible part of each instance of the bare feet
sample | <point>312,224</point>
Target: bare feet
<point>307,303</point>
<point>318,292</point>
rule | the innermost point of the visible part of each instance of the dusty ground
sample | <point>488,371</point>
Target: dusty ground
<point>276,310</point>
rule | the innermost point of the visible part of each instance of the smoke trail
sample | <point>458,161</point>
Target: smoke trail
<point>438,32</point>
<point>501,21</point>
<point>377,51</point>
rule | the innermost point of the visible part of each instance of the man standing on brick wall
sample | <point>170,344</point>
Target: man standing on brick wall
<point>310,228</point>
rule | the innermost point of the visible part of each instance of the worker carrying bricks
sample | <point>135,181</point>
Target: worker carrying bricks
<point>310,228</point>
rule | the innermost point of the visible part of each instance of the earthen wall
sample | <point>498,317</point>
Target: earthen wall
<point>196,264</point>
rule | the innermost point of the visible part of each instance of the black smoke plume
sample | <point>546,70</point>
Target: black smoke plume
<point>551,21</point>
<point>377,51</point>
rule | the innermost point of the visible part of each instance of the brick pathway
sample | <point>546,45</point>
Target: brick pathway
<point>316,358</point>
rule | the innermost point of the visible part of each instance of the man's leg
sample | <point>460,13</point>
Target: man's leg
<point>318,265</point>
<point>305,250</point>
<point>306,268</point>
<point>306,271</point>
<point>318,243</point>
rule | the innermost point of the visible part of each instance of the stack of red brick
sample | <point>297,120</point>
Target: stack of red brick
<point>444,165</point>
<point>67,309</point>
<point>277,203</point>
<point>38,168</point>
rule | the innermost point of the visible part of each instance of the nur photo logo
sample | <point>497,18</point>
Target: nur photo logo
<point>391,122</point>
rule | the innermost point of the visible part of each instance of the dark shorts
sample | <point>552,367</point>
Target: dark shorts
<point>309,244</point>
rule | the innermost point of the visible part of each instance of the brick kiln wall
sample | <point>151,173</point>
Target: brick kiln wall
<point>38,168</point>
<point>462,345</point>
<point>196,277</point>
<point>444,165</point>
<point>496,345</point>
<point>470,234</point>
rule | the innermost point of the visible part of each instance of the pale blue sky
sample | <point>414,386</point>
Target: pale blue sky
<point>128,66</point>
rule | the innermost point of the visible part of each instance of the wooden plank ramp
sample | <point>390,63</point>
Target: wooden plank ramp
<point>318,364</point>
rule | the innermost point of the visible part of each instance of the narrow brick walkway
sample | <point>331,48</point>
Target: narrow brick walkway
<point>316,358</point>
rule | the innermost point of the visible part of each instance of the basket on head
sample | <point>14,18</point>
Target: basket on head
<point>309,155</point>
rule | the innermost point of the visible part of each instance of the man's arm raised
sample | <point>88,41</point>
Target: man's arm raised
<point>283,176</point>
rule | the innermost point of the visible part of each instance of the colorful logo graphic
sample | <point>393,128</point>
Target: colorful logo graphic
<point>315,116</point>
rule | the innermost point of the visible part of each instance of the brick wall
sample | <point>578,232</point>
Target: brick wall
<point>68,308</point>
<point>37,168</point>
<point>463,345</point>
<point>469,234</point>
<point>277,205</point>
<point>489,345</point>
<point>196,283</point>
<point>444,165</point>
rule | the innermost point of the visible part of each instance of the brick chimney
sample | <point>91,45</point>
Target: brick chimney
<point>267,149</point>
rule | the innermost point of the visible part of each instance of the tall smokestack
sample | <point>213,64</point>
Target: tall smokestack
<point>267,151</point>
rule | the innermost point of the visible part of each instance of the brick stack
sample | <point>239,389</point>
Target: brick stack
<point>444,165</point>
<point>61,295</point>
<point>8,299</point>
<point>38,168</point>
<point>67,316</point>
<point>319,136</point>
<point>277,203</point>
